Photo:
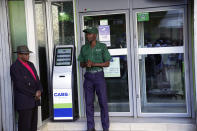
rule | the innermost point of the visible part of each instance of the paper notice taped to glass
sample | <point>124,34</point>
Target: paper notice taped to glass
<point>104,34</point>
<point>114,69</point>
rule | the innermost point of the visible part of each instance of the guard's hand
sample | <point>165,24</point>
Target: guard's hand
<point>38,95</point>
<point>89,63</point>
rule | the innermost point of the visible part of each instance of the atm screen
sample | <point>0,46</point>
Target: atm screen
<point>63,57</point>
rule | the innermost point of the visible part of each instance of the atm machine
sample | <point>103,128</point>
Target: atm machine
<point>64,83</point>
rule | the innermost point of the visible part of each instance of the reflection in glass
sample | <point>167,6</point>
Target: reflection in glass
<point>162,29</point>
<point>17,21</point>
<point>162,83</point>
<point>117,89</point>
<point>42,54</point>
<point>63,23</point>
<point>115,37</point>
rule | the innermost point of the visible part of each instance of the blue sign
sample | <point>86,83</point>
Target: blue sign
<point>61,94</point>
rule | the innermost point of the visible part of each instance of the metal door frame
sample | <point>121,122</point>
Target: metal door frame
<point>186,57</point>
<point>113,52</point>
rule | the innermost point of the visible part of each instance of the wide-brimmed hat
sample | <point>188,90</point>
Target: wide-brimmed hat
<point>23,49</point>
<point>91,30</point>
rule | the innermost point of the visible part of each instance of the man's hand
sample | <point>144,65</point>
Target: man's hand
<point>38,95</point>
<point>89,63</point>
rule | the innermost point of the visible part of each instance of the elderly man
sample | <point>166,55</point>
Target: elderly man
<point>27,90</point>
<point>94,56</point>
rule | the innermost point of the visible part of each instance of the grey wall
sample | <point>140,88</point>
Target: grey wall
<point>5,81</point>
<point>102,5</point>
<point>97,5</point>
<point>155,3</point>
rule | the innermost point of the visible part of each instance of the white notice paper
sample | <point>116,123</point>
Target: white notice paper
<point>114,69</point>
<point>104,34</point>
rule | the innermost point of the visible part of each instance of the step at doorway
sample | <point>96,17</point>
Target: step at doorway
<point>125,124</point>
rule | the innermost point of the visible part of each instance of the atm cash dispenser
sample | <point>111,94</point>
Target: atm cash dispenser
<point>64,83</point>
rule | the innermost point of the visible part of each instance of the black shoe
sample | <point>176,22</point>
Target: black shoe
<point>91,129</point>
<point>105,129</point>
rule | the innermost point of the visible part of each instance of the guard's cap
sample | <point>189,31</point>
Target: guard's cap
<point>91,30</point>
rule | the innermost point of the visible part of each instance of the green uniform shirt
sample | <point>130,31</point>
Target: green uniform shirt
<point>98,54</point>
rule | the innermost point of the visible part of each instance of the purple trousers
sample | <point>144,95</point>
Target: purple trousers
<point>96,82</point>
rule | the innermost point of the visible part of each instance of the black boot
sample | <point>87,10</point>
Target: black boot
<point>91,129</point>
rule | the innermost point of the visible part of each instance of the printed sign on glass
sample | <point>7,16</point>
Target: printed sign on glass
<point>114,69</point>
<point>104,34</point>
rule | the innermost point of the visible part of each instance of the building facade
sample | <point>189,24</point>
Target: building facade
<point>151,42</point>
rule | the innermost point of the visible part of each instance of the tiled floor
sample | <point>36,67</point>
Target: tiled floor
<point>126,124</point>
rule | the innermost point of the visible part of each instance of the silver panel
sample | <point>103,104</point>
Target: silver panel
<point>195,50</point>
<point>98,5</point>
<point>62,82</point>
<point>155,3</point>
<point>191,55</point>
<point>132,47</point>
<point>77,39</point>
<point>6,108</point>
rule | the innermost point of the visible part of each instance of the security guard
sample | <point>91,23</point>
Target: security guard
<point>94,56</point>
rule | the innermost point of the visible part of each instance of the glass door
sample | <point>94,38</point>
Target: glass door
<point>41,38</point>
<point>162,63</point>
<point>113,31</point>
